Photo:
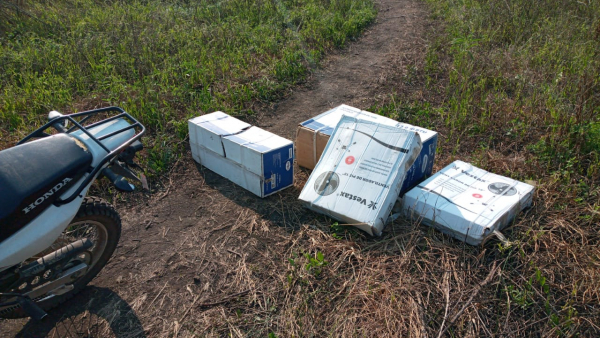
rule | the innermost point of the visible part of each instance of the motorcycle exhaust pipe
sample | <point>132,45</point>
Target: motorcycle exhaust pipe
<point>27,304</point>
<point>118,181</point>
<point>66,252</point>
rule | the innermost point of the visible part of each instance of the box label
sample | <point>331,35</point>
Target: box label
<point>357,179</point>
<point>278,168</point>
<point>467,202</point>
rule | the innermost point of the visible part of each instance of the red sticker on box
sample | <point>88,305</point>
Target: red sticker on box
<point>349,159</point>
<point>477,195</point>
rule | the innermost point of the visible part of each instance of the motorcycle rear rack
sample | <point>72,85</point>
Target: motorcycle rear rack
<point>111,155</point>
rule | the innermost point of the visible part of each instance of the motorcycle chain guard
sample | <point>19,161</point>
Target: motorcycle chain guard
<point>35,268</point>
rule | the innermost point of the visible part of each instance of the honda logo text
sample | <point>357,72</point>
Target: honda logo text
<point>50,192</point>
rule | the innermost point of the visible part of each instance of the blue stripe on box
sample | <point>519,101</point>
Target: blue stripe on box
<point>314,125</point>
<point>327,131</point>
<point>307,122</point>
<point>422,167</point>
<point>278,165</point>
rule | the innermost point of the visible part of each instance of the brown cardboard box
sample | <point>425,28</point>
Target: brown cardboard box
<point>309,146</point>
<point>312,135</point>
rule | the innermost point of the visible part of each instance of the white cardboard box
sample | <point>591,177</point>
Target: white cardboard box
<point>265,154</point>
<point>360,173</point>
<point>229,169</point>
<point>312,136</point>
<point>252,158</point>
<point>207,130</point>
<point>466,202</point>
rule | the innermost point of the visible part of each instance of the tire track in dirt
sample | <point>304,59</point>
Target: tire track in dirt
<point>205,238</point>
<point>363,73</point>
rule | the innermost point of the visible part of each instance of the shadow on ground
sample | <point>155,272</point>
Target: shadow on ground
<point>282,209</point>
<point>95,312</point>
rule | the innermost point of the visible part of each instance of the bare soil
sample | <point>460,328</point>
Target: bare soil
<point>203,257</point>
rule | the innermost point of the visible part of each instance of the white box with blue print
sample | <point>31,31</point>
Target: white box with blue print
<point>313,134</point>
<point>253,158</point>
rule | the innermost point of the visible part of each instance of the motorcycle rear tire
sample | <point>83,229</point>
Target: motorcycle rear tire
<point>101,214</point>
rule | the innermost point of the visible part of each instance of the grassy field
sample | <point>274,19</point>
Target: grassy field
<point>514,86</point>
<point>519,72</point>
<point>162,61</point>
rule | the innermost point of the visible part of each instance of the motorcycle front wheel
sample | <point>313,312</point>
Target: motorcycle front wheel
<point>97,221</point>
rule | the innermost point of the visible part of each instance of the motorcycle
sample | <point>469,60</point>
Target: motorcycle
<point>53,238</point>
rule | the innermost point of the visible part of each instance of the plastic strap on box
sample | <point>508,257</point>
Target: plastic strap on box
<point>484,209</point>
<point>399,159</point>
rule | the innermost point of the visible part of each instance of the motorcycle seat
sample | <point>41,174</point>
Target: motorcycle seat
<point>33,175</point>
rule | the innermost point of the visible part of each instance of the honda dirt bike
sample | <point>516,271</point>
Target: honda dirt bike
<point>53,238</point>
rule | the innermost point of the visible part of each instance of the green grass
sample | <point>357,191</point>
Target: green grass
<point>523,72</point>
<point>163,61</point>
<point>530,69</point>
<point>514,87</point>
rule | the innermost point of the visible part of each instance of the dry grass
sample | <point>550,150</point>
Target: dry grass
<point>247,278</point>
<point>206,259</point>
<point>235,266</point>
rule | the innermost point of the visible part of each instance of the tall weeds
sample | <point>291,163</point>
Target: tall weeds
<point>530,69</point>
<point>164,61</point>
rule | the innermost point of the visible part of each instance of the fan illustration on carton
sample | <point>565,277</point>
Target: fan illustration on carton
<point>359,175</point>
<point>327,183</point>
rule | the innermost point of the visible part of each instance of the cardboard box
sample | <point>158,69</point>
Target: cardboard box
<point>207,130</point>
<point>360,173</point>
<point>423,165</point>
<point>466,202</point>
<point>264,154</point>
<point>252,158</point>
<point>229,169</point>
<point>312,136</point>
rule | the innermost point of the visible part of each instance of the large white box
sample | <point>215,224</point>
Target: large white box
<point>312,135</point>
<point>207,130</point>
<point>252,158</point>
<point>265,154</point>
<point>229,170</point>
<point>360,173</point>
<point>466,202</point>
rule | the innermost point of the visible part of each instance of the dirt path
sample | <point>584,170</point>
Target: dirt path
<point>206,257</point>
<point>361,75</point>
